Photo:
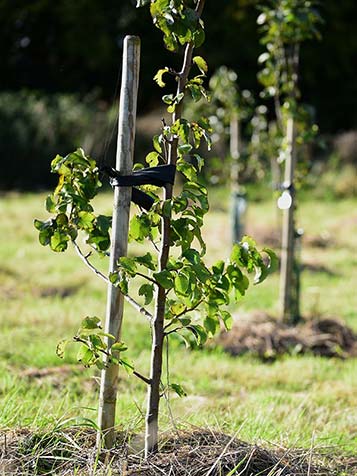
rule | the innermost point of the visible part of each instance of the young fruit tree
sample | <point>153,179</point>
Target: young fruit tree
<point>285,25</point>
<point>230,108</point>
<point>178,292</point>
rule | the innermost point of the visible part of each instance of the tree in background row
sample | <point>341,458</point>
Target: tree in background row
<point>285,25</point>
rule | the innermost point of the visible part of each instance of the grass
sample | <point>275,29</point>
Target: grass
<point>291,402</point>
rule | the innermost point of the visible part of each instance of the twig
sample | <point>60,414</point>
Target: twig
<point>173,330</point>
<point>139,308</point>
<point>128,298</point>
<point>109,355</point>
<point>88,263</point>
<point>145,276</point>
<point>141,377</point>
<point>186,310</point>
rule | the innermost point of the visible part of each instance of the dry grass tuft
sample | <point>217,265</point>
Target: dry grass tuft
<point>268,338</point>
<point>196,453</point>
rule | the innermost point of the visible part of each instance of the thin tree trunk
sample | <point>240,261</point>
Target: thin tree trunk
<point>238,201</point>
<point>288,233</point>
<point>121,210</point>
<point>152,414</point>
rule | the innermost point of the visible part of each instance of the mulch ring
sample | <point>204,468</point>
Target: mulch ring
<point>194,453</point>
<point>267,338</point>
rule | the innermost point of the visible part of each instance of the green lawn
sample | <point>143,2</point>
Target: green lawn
<point>296,401</point>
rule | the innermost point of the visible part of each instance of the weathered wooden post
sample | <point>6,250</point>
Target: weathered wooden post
<point>287,203</point>
<point>121,209</point>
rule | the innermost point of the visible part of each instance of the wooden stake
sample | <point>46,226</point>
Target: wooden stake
<point>121,210</point>
<point>288,233</point>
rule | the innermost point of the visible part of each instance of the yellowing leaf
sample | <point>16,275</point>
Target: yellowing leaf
<point>201,64</point>
<point>158,77</point>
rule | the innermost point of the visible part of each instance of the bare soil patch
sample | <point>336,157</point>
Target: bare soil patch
<point>267,338</point>
<point>195,453</point>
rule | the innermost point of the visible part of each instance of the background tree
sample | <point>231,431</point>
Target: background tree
<point>286,24</point>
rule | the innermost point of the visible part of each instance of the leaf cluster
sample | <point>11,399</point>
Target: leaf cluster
<point>178,20</point>
<point>284,25</point>
<point>91,338</point>
<point>70,205</point>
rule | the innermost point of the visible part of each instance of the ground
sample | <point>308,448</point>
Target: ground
<point>293,402</point>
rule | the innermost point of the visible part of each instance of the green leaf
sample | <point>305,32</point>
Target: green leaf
<point>201,272</point>
<point>273,260</point>
<point>177,308</point>
<point>211,325</point>
<point>86,219</point>
<point>192,256</point>
<point>146,260</point>
<point>38,224</point>
<point>199,37</point>
<point>236,254</point>
<point>201,64</point>
<point>128,264</point>
<point>85,355</point>
<point>45,236</point>
<point>128,365</point>
<point>50,204</point>
<point>158,77</point>
<point>103,222</point>
<point>152,159</point>
<point>185,321</point>
<point>96,341</point>
<point>98,240</point>
<point>157,143</point>
<point>195,91</point>
<point>119,347</point>
<point>140,227</point>
<point>164,278</point>
<point>166,208</point>
<point>199,333</point>
<point>227,320</point>
<point>147,290</point>
<point>168,98</point>
<point>171,42</point>
<point>58,241</point>
<point>261,273</point>
<point>218,267</point>
<point>184,149</point>
<point>90,323</point>
<point>178,389</point>
<point>181,284</point>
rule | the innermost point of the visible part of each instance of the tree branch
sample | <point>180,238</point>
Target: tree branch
<point>139,308</point>
<point>141,377</point>
<point>173,330</point>
<point>185,311</point>
<point>129,299</point>
<point>109,355</point>
<point>145,276</point>
<point>88,263</point>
